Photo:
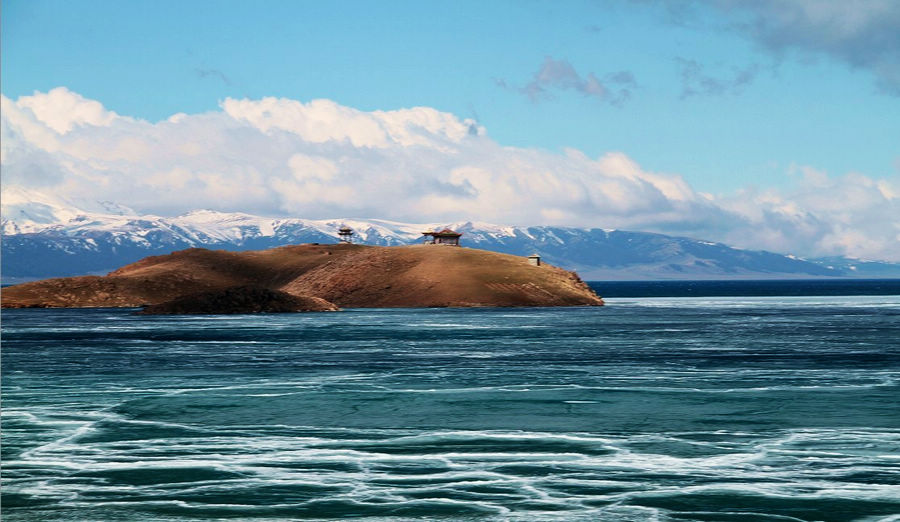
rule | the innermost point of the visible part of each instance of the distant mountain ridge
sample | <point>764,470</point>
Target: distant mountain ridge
<point>43,237</point>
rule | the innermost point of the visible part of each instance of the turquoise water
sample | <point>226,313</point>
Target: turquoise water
<point>720,408</point>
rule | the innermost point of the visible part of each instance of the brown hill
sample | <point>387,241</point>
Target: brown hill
<point>347,275</point>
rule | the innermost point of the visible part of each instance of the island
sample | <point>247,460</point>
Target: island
<point>344,274</point>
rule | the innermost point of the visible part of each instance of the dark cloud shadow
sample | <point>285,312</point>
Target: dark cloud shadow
<point>559,75</point>
<point>696,81</point>
<point>213,74</point>
<point>863,34</point>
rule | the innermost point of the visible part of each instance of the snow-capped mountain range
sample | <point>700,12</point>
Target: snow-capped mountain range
<point>48,237</point>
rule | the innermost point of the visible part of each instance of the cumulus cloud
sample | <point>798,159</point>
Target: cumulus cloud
<point>323,121</point>
<point>555,75</point>
<point>319,159</point>
<point>62,110</point>
<point>851,215</point>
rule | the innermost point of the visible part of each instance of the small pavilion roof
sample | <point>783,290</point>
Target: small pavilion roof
<point>443,233</point>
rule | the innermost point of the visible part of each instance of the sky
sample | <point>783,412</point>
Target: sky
<point>770,124</point>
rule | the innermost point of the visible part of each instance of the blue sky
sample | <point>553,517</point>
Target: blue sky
<point>154,59</point>
<point>766,123</point>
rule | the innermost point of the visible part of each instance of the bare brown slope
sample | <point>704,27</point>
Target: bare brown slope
<point>425,275</point>
<point>348,275</point>
<point>158,279</point>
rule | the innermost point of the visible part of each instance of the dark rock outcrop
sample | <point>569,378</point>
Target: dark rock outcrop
<point>240,300</point>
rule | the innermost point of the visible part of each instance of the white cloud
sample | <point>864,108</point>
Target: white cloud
<point>848,215</point>
<point>61,110</point>
<point>320,159</point>
<point>321,121</point>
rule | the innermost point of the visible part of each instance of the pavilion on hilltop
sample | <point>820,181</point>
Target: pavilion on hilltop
<point>345,233</point>
<point>442,237</point>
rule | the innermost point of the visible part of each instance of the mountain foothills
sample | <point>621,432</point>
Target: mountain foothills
<point>43,237</point>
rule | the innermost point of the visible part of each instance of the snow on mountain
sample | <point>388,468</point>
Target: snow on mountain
<point>46,236</point>
<point>25,211</point>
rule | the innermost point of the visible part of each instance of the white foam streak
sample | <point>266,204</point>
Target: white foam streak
<point>739,466</point>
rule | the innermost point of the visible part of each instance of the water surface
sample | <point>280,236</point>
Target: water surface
<point>720,408</point>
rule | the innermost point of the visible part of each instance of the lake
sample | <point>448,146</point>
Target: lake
<point>705,407</point>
